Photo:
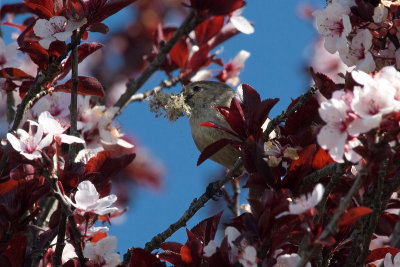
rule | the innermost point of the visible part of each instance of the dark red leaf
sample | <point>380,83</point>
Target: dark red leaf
<point>235,117</point>
<point>24,87</point>
<point>179,53</point>
<point>212,149</point>
<point>86,86</point>
<point>171,246</point>
<point>200,58</point>
<point>206,229</point>
<point>324,84</point>
<point>14,74</point>
<point>13,252</point>
<point>217,126</point>
<point>305,157</point>
<point>352,215</point>
<point>13,9</point>
<point>84,50</point>
<point>186,254</point>
<point>321,160</point>
<point>380,253</point>
<point>42,8</point>
<point>110,8</point>
<point>250,99</point>
<point>143,258</point>
<point>99,27</point>
<point>260,114</point>
<point>220,7</point>
<point>36,52</point>
<point>208,28</point>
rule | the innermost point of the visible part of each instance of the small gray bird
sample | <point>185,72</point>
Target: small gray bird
<point>202,96</point>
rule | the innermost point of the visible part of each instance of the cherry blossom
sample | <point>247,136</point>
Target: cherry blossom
<point>249,257</point>
<point>101,253</point>
<point>388,262</point>
<point>371,102</point>
<point>56,28</point>
<point>289,260</point>
<point>241,23</point>
<point>210,248</point>
<point>53,128</point>
<point>231,70</point>
<point>30,145</point>
<point>8,55</point>
<point>380,13</point>
<point>357,52</point>
<point>333,23</point>
<point>334,134</point>
<point>305,203</point>
<point>87,200</point>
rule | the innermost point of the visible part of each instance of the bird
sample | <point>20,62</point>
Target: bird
<point>202,97</point>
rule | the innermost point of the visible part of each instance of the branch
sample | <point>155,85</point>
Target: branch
<point>197,204</point>
<point>281,118</point>
<point>62,227</point>
<point>337,174</point>
<point>164,84</point>
<point>73,107</point>
<point>331,228</point>
<point>186,27</point>
<point>74,231</point>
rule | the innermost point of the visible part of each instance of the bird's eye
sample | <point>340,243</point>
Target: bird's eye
<point>196,88</point>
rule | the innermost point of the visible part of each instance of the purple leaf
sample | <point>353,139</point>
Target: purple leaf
<point>212,149</point>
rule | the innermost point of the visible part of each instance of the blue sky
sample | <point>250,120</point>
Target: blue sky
<point>275,69</point>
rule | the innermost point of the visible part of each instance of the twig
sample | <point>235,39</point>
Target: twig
<point>164,84</point>
<point>331,228</point>
<point>73,107</point>
<point>339,170</point>
<point>281,118</point>
<point>62,227</point>
<point>314,177</point>
<point>212,189</point>
<point>365,226</point>
<point>10,107</point>
<point>235,198</point>
<point>75,233</point>
<point>37,255</point>
<point>186,27</point>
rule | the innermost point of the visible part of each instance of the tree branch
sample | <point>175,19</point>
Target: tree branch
<point>164,84</point>
<point>73,107</point>
<point>212,189</point>
<point>186,27</point>
<point>281,118</point>
<point>331,228</point>
<point>62,227</point>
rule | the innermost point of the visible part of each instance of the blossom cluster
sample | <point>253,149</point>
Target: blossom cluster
<point>364,33</point>
<point>349,114</point>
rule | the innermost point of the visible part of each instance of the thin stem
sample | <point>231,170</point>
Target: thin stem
<point>331,228</point>
<point>73,108</point>
<point>197,204</point>
<point>62,228</point>
<point>164,84</point>
<point>186,27</point>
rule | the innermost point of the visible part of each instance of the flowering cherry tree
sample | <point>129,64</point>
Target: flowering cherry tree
<point>323,177</point>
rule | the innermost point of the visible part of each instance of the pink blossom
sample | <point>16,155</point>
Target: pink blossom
<point>305,203</point>
<point>371,102</point>
<point>53,128</point>
<point>289,260</point>
<point>210,248</point>
<point>30,145</point>
<point>231,70</point>
<point>241,23</point>
<point>8,55</point>
<point>249,257</point>
<point>87,200</point>
<point>56,28</point>
<point>334,134</point>
<point>357,52</point>
<point>334,24</point>
<point>388,262</point>
<point>101,253</point>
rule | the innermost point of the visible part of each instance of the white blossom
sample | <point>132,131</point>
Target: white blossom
<point>101,253</point>
<point>388,262</point>
<point>56,28</point>
<point>289,260</point>
<point>87,200</point>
